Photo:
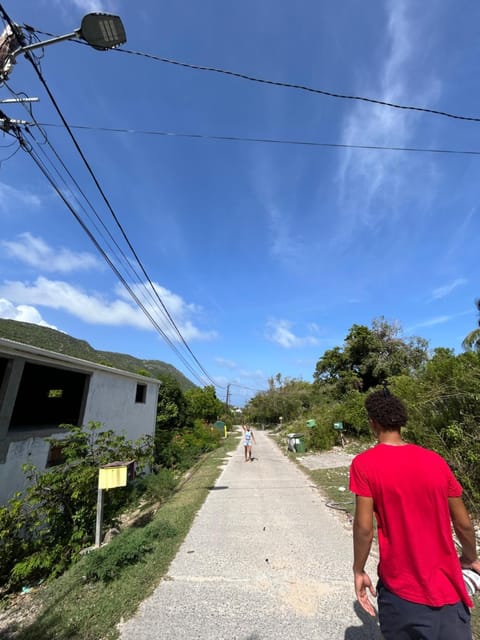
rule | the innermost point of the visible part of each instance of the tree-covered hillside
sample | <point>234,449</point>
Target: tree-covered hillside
<point>59,342</point>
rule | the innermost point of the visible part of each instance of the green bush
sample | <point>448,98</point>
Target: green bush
<point>125,549</point>
<point>155,487</point>
<point>43,530</point>
<point>321,437</point>
<point>180,449</point>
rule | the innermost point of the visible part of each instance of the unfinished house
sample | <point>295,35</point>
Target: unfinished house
<point>40,390</point>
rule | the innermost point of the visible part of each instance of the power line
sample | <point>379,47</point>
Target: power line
<point>49,177</point>
<point>41,165</point>
<point>123,258</point>
<point>235,384</point>
<point>299,87</point>
<point>287,85</point>
<point>307,143</point>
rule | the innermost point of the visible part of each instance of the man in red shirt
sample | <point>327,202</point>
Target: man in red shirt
<point>415,498</point>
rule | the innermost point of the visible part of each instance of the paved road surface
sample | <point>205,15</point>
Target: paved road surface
<point>265,559</point>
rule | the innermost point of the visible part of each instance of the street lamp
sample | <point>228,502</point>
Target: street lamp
<point>102,31</point>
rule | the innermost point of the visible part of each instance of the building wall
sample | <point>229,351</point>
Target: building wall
<point>111,400</point>
<point>30,451</point>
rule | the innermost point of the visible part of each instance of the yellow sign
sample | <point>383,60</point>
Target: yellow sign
<point>111,477</point>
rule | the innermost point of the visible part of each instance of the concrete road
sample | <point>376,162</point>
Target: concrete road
<point>265,559</point>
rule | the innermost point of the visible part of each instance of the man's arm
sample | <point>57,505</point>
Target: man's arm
<point>362,541</point>
<point>465,533</point>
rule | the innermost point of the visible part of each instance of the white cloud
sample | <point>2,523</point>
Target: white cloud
<point>92,5</point>
<point>22,313</point>
<point>279,331</point>
<point>285,244</point>
<point>461,234</point>
<point>313,327</point>
<point>96,309</point>
<point>370,182</point>
<point>442,292</point>
<point>227,364</point>
<point>284,241</point>
<point>36,253</point>
<point>433,321</point>
<point>9,195</point>
<point>85,6</point>
<point>437,320</point>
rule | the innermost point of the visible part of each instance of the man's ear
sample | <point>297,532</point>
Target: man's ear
<point>374,425</point>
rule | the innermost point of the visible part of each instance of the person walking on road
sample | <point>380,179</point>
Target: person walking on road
<point>248,437</point>
<point>415,498</point>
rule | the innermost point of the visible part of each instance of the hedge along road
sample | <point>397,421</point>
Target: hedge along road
<point>264,559</point>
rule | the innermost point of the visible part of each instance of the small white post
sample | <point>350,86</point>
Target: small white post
<point>98,527</point>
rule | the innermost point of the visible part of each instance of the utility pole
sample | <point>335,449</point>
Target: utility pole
<point>227,399</point>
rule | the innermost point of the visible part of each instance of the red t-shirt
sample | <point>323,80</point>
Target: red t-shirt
<point>410,487</point>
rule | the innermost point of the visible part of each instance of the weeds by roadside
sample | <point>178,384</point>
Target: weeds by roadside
<point>90,599</point>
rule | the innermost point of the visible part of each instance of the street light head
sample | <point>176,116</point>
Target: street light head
<point>102,31</point>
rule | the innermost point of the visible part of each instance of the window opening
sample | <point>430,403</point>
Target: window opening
<point>141,394</point>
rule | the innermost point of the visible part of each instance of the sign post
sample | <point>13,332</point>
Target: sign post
<point>114,474</point>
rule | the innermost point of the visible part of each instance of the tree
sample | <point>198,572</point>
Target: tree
<point>172,405</point>
<point>287,397</point>
<point>203,404</point>
<point>443,401</point>
<point>171,414</point>
<point>369,356</point>
<point>471,342</point>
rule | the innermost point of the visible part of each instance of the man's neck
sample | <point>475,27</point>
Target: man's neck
<point>393,438</point>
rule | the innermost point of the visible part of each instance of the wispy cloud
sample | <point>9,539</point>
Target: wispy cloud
<point>9,195</point>
<point>445,290</point>
<point>85,6</point>
<point>279,331</point>
<point>285,243</point>
<point>94,309</point>
<point>22,313</point>
<point>227,364</point>
<point>38,254</point>
<point>93,5</point>
<point>369,182</point>
<point>430,322</point>
<point>461,234</point>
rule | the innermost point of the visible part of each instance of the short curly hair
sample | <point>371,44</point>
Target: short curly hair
<point>386,409</point>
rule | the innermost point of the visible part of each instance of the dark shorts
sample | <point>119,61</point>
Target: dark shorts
<point>404,620</point>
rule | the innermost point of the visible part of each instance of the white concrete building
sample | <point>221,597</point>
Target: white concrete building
<point>40,389</point>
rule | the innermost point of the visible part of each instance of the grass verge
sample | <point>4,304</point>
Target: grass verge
<point>334,485</point>
<point>73,608</point>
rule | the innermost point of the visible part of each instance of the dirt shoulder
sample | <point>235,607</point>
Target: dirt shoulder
<point>336,457</point>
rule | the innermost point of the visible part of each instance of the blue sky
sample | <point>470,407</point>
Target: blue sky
<point>264,254</point>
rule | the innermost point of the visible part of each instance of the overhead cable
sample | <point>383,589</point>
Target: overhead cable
<point>299,87</point>
<point>287,85</point>
<point>278,83</point>
<point>93,176</point>
<point>307,143</point>
<point>41,165</point>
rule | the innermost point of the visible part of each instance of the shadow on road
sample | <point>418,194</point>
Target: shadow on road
<point>369,629</point>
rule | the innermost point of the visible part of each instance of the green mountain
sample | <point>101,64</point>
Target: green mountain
<point>59,342</point>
